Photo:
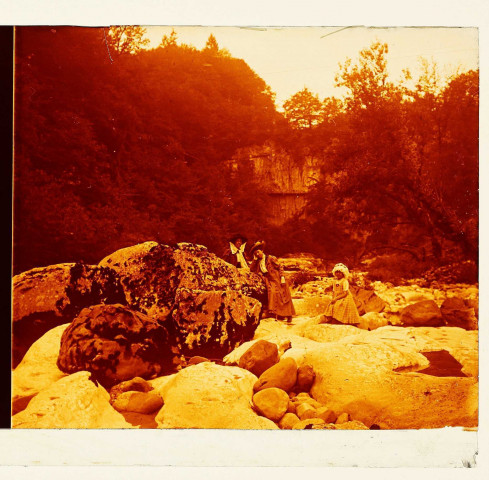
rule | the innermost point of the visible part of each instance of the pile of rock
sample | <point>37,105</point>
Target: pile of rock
<point>281,392</point>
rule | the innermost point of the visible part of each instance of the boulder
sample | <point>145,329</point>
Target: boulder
<point>288,421</point>
<point>46,297</point>
<point>343,418</point>
<point>37,370</point>
<point>291,408</point>
<point>367,300</point>
<point>196,359</point>
<point>282,375</point>
<point>139,402</point>
<point>305,411</point>
<point>326,414</point>
<point>457,313</point>
<point>212,323</point>
<point>422,314</point>
<point>305,378</point>
<point>271,403</point>
<point>210,396</point>
<point>208,305</point>
<point>351,425</point>
<point>259,357</point>
<point>136,384</point>
<point>375,380</point>
<point>74,401</point>
<point>115,344</point>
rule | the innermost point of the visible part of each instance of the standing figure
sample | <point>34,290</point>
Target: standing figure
<point>235,254</point>
<point>278,291</point>
<point>342,308</point>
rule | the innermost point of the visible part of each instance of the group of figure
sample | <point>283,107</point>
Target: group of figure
<point>341,310</point>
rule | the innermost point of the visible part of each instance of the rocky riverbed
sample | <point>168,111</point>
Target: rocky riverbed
<point>171,337</point>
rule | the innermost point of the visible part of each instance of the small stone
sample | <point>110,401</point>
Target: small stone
<point>326,414</point>
<point>291,408</point>
<point>305,378</point>
<point>195,360</point>
<point>140,402</point>
<point>272,403</point>
<point>308,424</point>
<point>305,410</point>
<point>344,417</point>
<point>288,421</point>
<point>259,357</point>
<point>283,375</point>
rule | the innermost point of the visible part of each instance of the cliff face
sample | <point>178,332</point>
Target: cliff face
<point>283,178</point>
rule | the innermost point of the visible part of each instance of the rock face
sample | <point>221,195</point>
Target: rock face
<point>71,402</point>
<point>422,314</point>
<point>210,396</point>
<point>46,297</point>
<point>367,301</point>
<point>38,369</point>
<point>271,403</point>
<point>259,357</point>
<point>115,344</point>
<point>208,305</point>
<point>457,313</point>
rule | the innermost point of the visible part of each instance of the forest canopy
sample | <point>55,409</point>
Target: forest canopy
<point>117,144</point>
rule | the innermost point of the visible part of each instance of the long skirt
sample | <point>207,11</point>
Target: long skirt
<point>344,310</point>
<point>279,298</point>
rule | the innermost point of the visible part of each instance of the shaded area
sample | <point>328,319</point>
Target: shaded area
<point>442,364</point>
<point>140,420</point>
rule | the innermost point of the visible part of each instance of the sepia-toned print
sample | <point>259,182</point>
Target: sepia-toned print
<point>245,228</point>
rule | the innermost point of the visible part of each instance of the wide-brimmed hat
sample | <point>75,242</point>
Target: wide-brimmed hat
<point>236,236</point>
<point>341,267</point>
<point>260,245</point>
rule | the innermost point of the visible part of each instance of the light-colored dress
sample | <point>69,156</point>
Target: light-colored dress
<point>343,310</point>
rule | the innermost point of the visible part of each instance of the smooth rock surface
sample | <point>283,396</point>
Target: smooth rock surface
<point>271,403</point>
<point>139,402</point>
<point>288,421</point>
<point>71,402</point>
<point>210,396</point>
<point>259,357</point>
<point>283,375</point>
<point>37,370</point>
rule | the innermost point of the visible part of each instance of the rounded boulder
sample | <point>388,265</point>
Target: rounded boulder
<point>271,403</point>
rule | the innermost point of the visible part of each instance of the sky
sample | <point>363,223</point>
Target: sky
<point>292,58</point>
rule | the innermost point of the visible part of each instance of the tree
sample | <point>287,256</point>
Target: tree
<point>303,109</point>
<point>126,39</point>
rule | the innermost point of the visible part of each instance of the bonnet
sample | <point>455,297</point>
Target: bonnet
<point>340,267</point>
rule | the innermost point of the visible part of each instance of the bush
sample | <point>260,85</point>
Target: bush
<point>395,268</point>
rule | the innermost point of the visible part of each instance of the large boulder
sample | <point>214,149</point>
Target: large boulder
<point>259,357</point>
<point>283,375</point>
<point>422,314</point>
<point>208,305</point>
<point>138,402</point>
<point>71,402</point>
<point>46,297</point>
<point>115,344</point>
<point>457,313</point>
<point>375,379</point>
<point>37,370</point>
<point>209,396</point>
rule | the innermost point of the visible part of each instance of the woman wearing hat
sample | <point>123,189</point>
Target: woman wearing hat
<point>342,308</point>
<point>278,292</point>
<point>235,254</point>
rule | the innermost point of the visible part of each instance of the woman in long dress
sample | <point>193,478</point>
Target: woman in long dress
<point>278,291</point>
<point>342,308</point>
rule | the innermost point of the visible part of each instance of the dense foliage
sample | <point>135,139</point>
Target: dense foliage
<point>116,144</point>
